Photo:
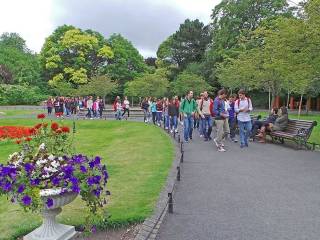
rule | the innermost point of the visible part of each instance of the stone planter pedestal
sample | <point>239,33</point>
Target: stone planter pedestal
<point>50,229</point>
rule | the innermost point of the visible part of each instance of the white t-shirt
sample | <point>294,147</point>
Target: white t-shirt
<point>126,104</point>
<point>242,104</point>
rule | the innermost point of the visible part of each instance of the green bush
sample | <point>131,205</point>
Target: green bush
<point>18,94</point>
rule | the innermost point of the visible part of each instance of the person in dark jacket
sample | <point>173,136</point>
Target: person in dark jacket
<point>257,125</point>
<point>173,111</point>
<point>145,108</point>
<point>280,124</point>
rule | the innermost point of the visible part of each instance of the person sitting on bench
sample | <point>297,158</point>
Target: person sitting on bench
<point>279,125</point>
<point>258,123</point>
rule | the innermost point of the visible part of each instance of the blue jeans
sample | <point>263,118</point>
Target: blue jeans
<point>188,124</point>
<point>232,126</point>
<point>173,122</point>
<point>206,123</point>
<point>166,121</point>
<point>245,129</point>
<point>118,115</point>
<point>159,117</point>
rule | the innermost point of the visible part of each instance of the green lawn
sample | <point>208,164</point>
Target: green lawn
<point>138,158</point>
<point>15,112</point>
<point>315,136</point>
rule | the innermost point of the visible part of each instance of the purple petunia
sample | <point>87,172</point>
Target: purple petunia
<point>49,202</point>
<point>91,165</point>
<point>97,192</point>
<point>28,167</point>
<point>97,160</point>
<point>35,182</point>
<point>21,188</point>
<point>68,170</point>
<point>26,200</point>
<point>93,229</point>
<point>75,188</point>
<point>7,187</point>
<point>55,181</point>
<point>83,169</point>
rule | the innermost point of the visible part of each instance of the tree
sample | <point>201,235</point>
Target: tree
<point>187,45</point>
<point>19,66</point>
<point>14,40</point>
<point>73,56</point>
<point>99,85</point>
<point>186,82</point>
<point>127,62</point>
<point>155,85</point>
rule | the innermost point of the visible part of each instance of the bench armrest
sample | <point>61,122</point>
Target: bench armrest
<point>302,132</point>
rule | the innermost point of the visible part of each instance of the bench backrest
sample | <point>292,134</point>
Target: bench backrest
<point>294,125</point>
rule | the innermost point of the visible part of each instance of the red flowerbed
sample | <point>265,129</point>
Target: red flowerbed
<point>13,132</point>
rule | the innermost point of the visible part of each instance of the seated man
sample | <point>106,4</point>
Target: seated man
<point>258,124</point>
<point>280,124</point>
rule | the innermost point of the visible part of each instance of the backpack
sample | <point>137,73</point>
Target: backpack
<point>238,102</point>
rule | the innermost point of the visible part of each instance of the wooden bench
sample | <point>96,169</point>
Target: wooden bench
<point>298,131</point>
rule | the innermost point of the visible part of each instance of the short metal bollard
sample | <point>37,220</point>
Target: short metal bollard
<point>170,203</point>
<point>174,134</point>
<point>178,173</point>
<point>181,157</point>
<point>179,138</point>
<point>181,147</point>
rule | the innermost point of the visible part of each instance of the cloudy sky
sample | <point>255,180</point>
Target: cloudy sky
<point>146,23</point>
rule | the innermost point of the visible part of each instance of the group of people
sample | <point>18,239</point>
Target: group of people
<point>66,106</point>
<point>226,113</point>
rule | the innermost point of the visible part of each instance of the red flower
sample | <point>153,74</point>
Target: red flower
<point>54,126</point>
<point>41,116</point>
<point>38,126</point>
<point>32,131</point>
<point>65,129</point>
<point>28,139</point>
<point>18,141</point>
<point>59,131</point>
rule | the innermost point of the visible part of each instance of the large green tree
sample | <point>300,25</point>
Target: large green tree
<point>127,62</point>
<point>186,45</point>
<point>73,56</point>
<point>18,64</point>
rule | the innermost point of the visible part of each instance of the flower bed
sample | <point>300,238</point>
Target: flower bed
<point>14,132</point>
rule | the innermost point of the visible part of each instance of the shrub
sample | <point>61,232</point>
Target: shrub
<point>19,94</point>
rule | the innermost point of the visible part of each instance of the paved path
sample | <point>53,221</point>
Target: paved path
<point>264,192</point>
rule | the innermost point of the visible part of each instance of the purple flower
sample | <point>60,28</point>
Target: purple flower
<point>75,188</point>
<point>26,200</point>
<point>21,188</point>
<point>97,160</point>
<point>28,167</point>
<point>93,229</point>
<point>7,187</point>
<point>78,159</point>
<point>91,165</point>
<point>68,170</point>
<point>90,181</point>
<point>55,181</point>
<point>49,202</point>
<point>74,180</point>
<point>97,192</point>
<point>35,182</point>
<point>83,169</point>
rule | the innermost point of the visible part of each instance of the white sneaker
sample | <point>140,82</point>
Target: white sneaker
<point>221,149</point>
<point>201,135</point>
<point>166,128</point>
<point>171,131</point>
<point>176,130</point>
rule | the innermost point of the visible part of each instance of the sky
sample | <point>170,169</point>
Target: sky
<point>146,23</point>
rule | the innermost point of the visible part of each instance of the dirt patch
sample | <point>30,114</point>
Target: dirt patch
<point>127,233</point>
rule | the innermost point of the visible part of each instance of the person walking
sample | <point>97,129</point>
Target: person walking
<point>166,113</point>
<point>243,106</point>
<point>159,107</point>
<point>49,105</point>
<point>101,107</point>
<point>188,108</point>
<point>126,107</point>
<point>205,109</point>
<point>220,120</point>
<point>90,107</point>
<point>173,112</point>
<point>232,117</point>
<point>145,108</point>
<point>154,110</point>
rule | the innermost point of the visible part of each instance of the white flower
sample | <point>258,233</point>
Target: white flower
<point>42,146</point>
<point>51,157</point>
<point>13,155</point>
<point>55,164</point>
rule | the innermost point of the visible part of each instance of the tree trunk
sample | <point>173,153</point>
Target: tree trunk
<point>269,100</point>
<point>288,99</point>
<point>300,105</point>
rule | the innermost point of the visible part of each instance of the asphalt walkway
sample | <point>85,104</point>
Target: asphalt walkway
<point>264,192</point>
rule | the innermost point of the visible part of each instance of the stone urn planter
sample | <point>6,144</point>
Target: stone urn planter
<point>50,228</point>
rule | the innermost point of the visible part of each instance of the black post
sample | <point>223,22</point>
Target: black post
<point>178,173</point>
<point>181,157</point>
<point>181,147</point>
<point>74,126</point>
<point>178,138</point>
<point>174,134</point>
<point>170,203</point>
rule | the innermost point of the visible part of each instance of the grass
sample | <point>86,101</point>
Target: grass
<point>138,158</point>
<point>16,112</point>
<point>315,136</point>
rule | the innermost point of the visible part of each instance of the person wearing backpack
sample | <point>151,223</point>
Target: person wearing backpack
<point>243,106</point>
<point>232,117</point>
<point>205,112</point>
<point>188,108</point>
<point>220,119</point>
